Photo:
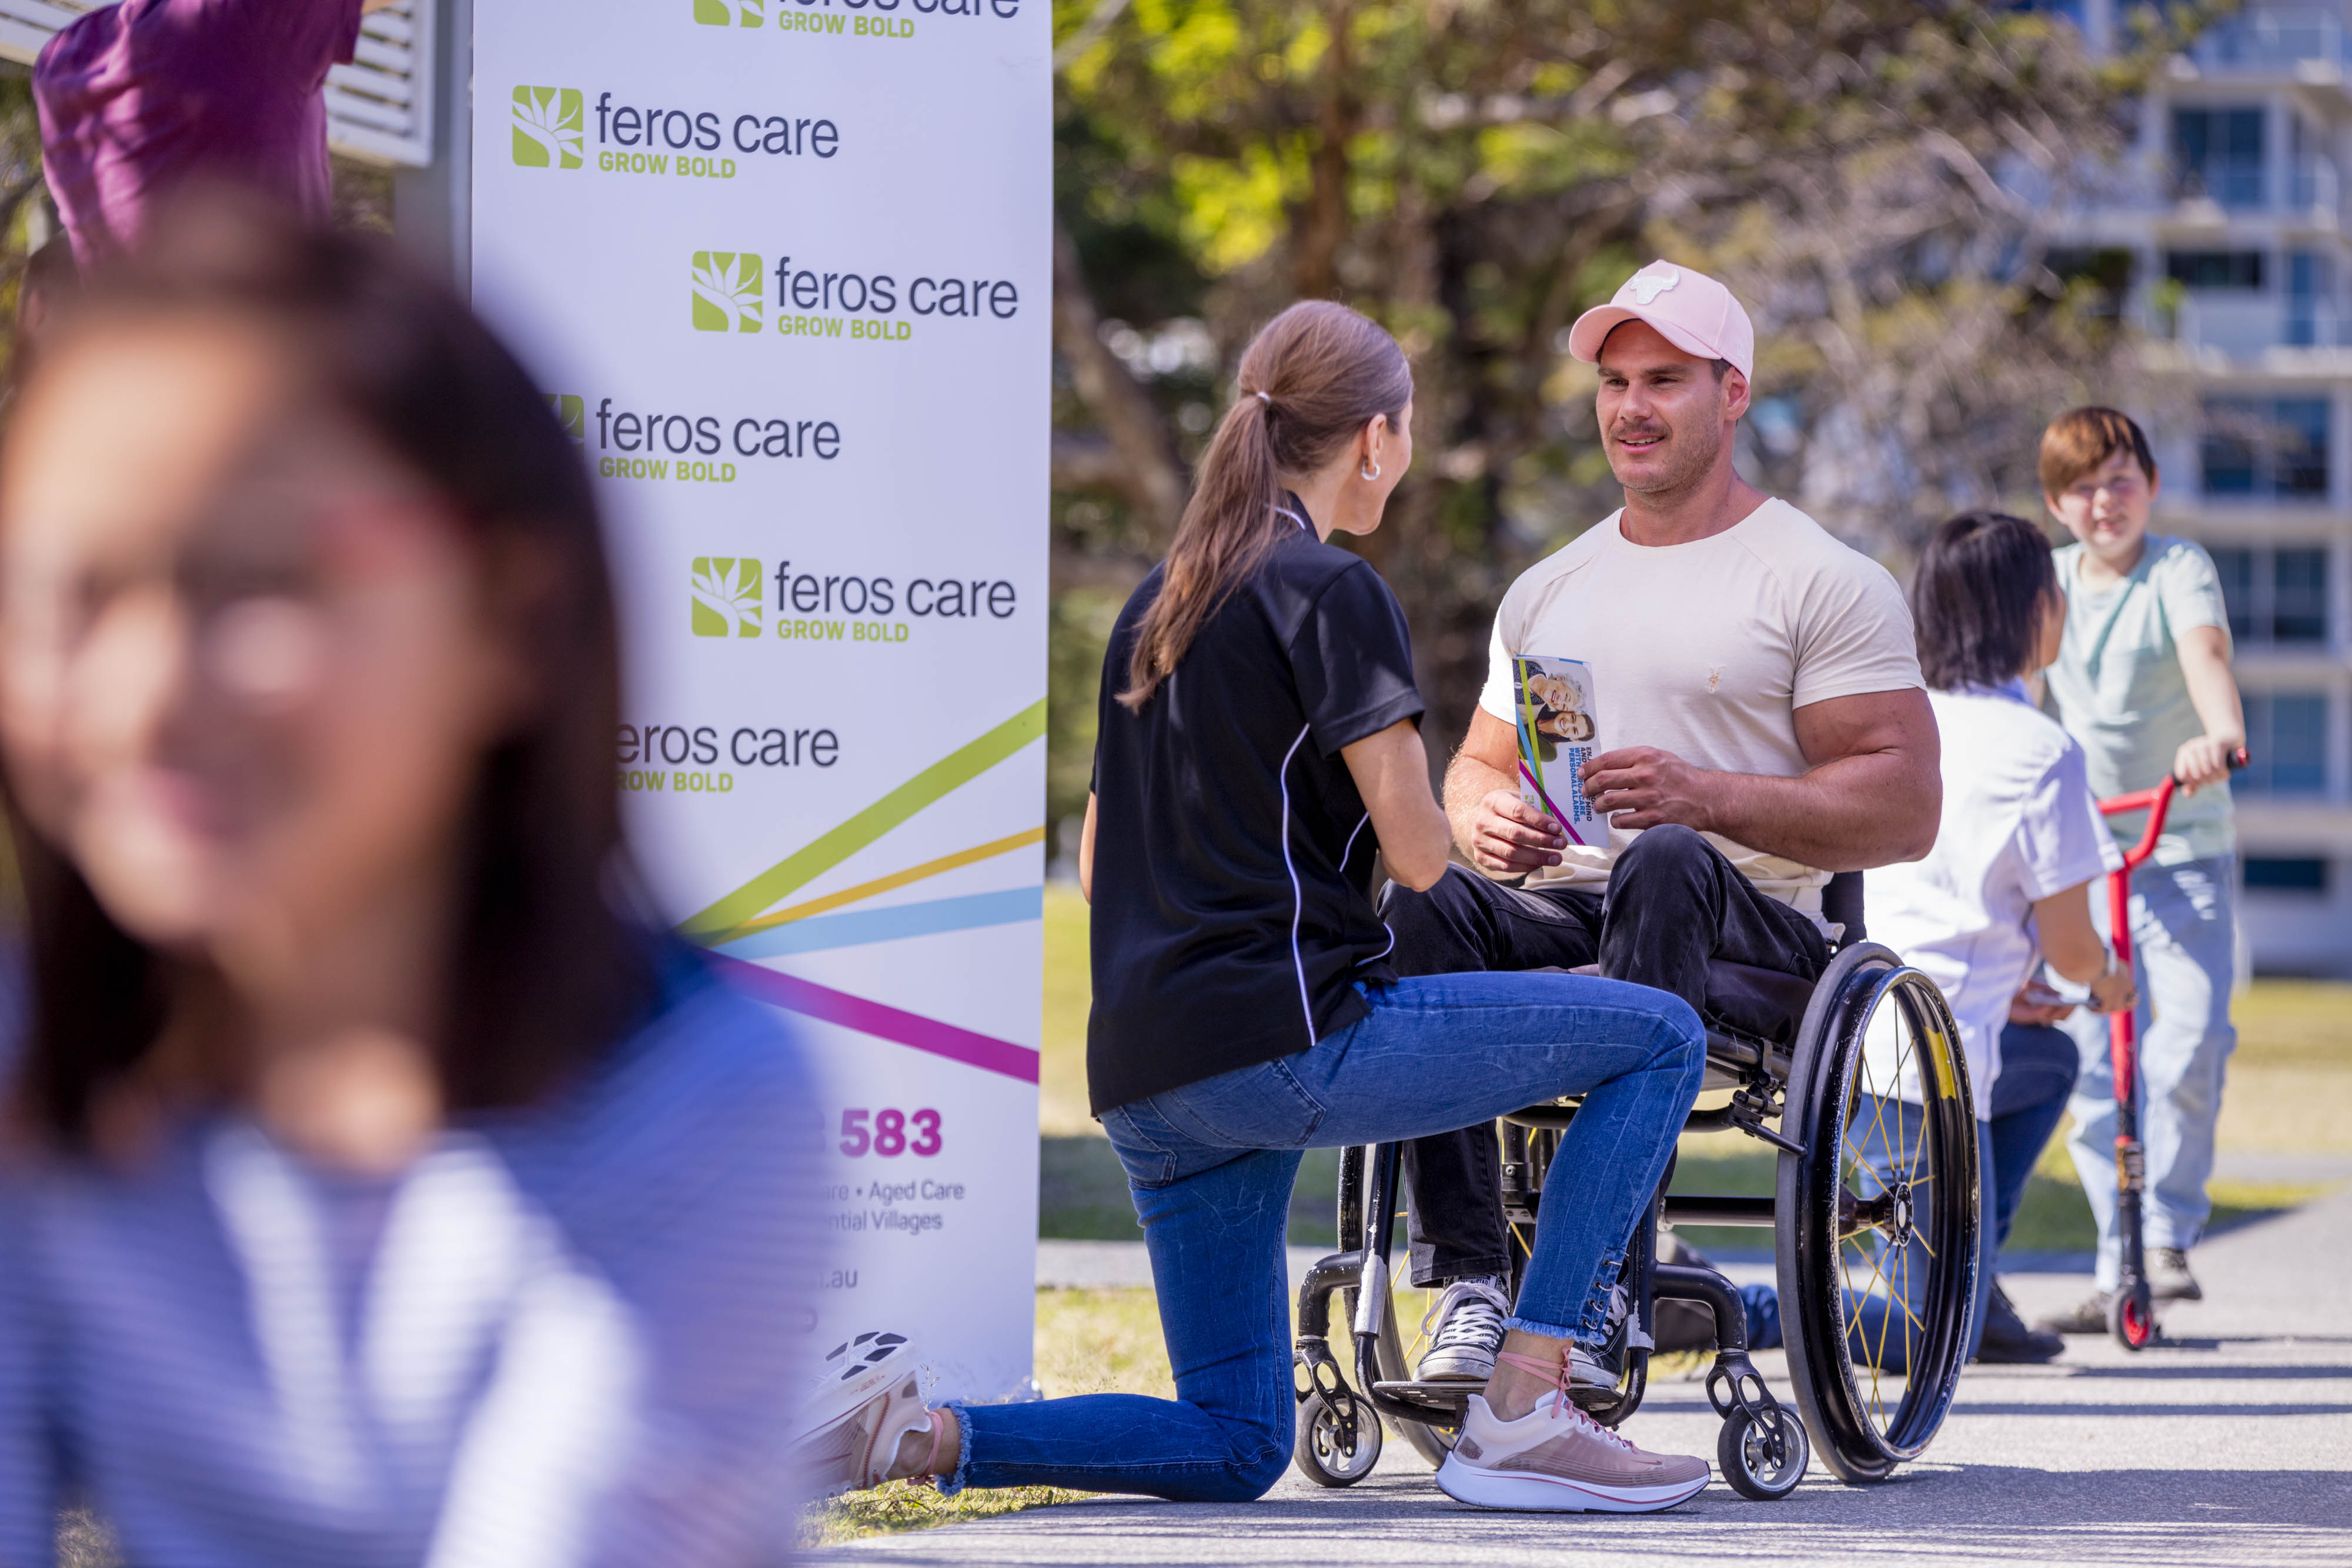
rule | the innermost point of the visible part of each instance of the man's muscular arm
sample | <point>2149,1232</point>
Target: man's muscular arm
<point>1871,796</point>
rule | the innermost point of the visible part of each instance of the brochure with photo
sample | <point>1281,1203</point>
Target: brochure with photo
<point>1559,727</point>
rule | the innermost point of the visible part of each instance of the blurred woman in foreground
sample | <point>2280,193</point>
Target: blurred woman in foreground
<point>375,1190</point>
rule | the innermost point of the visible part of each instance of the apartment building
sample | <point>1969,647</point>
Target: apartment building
<point>2232,221</point>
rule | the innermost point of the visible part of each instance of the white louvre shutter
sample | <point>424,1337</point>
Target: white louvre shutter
<point>379,108</point>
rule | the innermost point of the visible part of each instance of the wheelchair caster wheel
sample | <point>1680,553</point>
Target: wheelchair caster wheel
<point>1327,1458</point>
<point>2131,1317</point>
<point>1763,1460</point>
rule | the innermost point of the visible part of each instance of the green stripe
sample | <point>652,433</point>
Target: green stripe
<point>805,864</point>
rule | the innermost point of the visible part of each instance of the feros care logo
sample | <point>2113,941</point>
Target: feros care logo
<point>727,292</point>
<point>549,123</point>
<point>731,13</point>
<point>729,594</point>
<point>570,413</point>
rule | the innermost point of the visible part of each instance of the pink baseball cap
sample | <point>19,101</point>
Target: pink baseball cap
<point>1690,311</point>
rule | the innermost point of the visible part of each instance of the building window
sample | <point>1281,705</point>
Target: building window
<point>2272,448</point>
<point>2275,595</point>
<point>2214,269</point>
<point>2286,737</point>
<point>2310,300</point>
<point>2286,875</point>
<point>2218,152</point>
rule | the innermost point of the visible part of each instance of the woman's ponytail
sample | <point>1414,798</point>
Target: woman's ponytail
<point>1310,379</point>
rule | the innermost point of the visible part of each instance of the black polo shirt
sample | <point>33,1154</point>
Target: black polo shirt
<point>1232,850</point>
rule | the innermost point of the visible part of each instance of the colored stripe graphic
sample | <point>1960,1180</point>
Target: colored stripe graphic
<point>860,926</point>
<point>828,1006</point>
<point>829,849</point>
<point>896,880</point>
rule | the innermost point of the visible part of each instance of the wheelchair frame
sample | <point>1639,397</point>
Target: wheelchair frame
<point>1807,1086</point>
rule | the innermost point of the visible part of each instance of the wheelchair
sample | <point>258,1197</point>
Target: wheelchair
<point>1874,1219</point>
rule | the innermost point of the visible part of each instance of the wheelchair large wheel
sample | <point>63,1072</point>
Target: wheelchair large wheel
<point>1878,1231</point>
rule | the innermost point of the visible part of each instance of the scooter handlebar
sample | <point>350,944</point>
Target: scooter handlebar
<point>2158,804</point>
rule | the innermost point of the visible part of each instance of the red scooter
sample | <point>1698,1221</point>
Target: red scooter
<point>2131,1310</point>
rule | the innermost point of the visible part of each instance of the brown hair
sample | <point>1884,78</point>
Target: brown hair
<point>545,971</point>
<point>2081,440</point>
<point>1312,378</point>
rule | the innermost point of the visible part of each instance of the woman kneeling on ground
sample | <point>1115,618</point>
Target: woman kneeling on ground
<point>1258,716</point>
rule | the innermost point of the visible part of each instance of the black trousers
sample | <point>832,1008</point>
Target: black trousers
<point>1674,902</point>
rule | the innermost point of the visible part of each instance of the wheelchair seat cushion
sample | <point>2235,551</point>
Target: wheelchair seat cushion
<point>1763,1003</point>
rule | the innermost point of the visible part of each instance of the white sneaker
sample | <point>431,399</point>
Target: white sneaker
<point>858,1450</point>
<point>1558,1459</point>
<point>852,1373</point>
<point>1465,1325</point>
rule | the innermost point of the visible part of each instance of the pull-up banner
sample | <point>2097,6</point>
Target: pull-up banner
<point>785,267</point>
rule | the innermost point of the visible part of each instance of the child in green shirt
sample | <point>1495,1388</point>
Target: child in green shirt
<point>2142,684</point>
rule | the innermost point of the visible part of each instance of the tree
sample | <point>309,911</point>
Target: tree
<point>1875,179</point>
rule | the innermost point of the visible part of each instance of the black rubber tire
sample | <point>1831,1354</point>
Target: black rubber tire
<point>1743,1454</point>
<point>1317,1447</point>
<point>1843,1405</point>
<point>2131,1317</point>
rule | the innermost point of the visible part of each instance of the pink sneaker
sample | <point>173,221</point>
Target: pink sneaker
<point>1558,1459</point>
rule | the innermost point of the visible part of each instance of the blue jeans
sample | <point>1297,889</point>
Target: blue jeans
<point>1211,1166</point>
<point>2184,945</point>
<point>2038,1066</point>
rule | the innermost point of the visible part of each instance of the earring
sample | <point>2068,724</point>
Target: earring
<point>1369,469</point>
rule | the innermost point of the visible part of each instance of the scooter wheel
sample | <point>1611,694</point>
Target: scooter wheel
<point>2131,1317</point>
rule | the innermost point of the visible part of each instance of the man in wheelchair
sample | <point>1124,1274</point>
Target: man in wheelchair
<point>1761,725</point>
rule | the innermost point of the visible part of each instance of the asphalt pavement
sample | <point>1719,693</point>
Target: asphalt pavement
<point>2230,1444</point>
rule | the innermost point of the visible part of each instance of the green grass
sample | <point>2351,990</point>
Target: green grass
<point>900,1507</point>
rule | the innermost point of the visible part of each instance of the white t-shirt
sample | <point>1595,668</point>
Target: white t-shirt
<point>2019,824</point>
<point>1706,650</point>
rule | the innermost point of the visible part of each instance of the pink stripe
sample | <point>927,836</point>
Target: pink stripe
<point>811,1000</point>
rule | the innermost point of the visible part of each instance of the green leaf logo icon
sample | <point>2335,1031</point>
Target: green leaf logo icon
<point>726,291</point>
<point>549,128</point>
<point>570,413</point>
<point>731,13</point>
<point>726,596</point>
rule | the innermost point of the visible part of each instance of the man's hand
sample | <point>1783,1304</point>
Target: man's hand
<point>1510,838</point>
<point>2204,760</point>
<point>1651,788</point>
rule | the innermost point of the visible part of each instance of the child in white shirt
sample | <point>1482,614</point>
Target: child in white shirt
<point>2021,843</point>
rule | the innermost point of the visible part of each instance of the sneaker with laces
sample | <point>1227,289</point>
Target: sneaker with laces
<point>1558,1459</point>
<point>1464,1326</point>
<point>860,1449</point>
<point>2169,1278</point>
<point>2091,1317</point>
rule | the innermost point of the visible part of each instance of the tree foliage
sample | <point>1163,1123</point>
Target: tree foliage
<point>1877,178</point>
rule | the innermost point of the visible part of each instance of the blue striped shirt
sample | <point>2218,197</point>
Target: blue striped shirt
<point>568,1335</point>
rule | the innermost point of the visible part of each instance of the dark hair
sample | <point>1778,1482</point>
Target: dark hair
<point>1312,377</point>
<point>1977,598</point>
<point>545,971</point>
<point>2081,440</point>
